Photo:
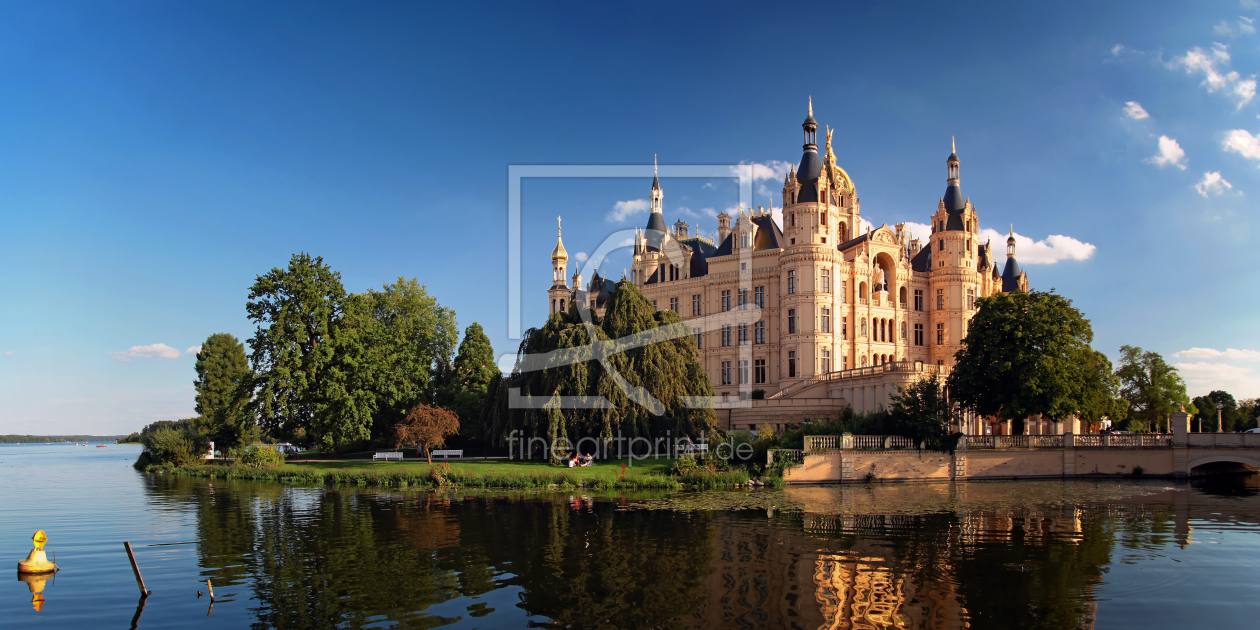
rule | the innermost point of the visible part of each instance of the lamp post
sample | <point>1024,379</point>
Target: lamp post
<point>1220,426</point>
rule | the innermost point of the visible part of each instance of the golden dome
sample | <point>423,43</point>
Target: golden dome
<point>558,253</point>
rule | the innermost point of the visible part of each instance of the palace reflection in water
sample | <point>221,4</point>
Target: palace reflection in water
<point>907,556</point>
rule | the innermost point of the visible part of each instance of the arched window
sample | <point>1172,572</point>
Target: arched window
<point>843,232</point>
<point>553,306</point>
<point>862,290</point>
<point>902,295</point>
<point>561,306</point>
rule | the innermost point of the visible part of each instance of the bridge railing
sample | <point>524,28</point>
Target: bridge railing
<point>816,443</point>
<point>1224,440</point>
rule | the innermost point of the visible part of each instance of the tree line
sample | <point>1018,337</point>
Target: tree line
<point>327,368</point>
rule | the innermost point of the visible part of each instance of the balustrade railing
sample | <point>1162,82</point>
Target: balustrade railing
<point>891,366</point>
<point>821,442</point>
<point>1046,441</point>
<point>784,455</point>
<point>868,442</point>
<point>815,443</point>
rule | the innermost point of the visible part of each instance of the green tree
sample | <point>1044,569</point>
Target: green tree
<point>1101,397</point>
<point>408,339</point>
<point>1248,411</point>
<point>309,359</point>
<point>921,412</point>
<point>657,372</point>
<point>224,387</point>
<point>1229,415</point>
<point>1153,388</point>
<point>1025,354</point>
<point>1204,415</point>
<point>469,379</point>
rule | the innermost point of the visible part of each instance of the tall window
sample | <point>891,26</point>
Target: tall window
<point>759,296</point>
<point>673,304</point>
<point>726,300</point>
<point>726,335</point>
<point>743,334</point>
<point>759,332</point>
<point>918,334</point>
<point>844,363</point>
<point>971,299</point>
<point>695,305</point>
<point>825,281</point>
<point>940,334</point>
<point>699,338</point>
<point>825,320</point>
<point>940,299</point>
<point>901,296</point>
<point>791,282</point>
<point>743,299</point>
<point>826,361</point>
<point>759,371</point>
<point>792,364</point>
<point>654,307</point>
<point>918,299</point>
<point>822,218</point>
<point>726,372</point>
<point>942,247</point>
<point>791,321</point>
<point>743,372</point>
<point>844,327</point>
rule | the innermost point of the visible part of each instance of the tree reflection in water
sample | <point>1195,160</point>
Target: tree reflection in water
<point>320,557</point>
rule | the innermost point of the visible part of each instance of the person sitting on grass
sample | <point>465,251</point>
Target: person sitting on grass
<point>588,460</point>
<point>573,461</point>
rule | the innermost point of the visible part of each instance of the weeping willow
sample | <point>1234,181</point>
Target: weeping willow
<point>657,370</point>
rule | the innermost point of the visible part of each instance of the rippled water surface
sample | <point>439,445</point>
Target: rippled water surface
<point>1048,554</point>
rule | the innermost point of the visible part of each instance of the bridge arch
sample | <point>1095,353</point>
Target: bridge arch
<point>1244,458</point>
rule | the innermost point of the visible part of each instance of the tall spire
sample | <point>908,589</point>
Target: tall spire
<point>558,254</point>
<point>656,180</point>
<point>1011,273</point>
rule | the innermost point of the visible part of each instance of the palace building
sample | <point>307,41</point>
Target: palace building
<point>839,315</point>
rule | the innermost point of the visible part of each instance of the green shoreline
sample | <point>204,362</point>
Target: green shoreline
<point>421,476</point>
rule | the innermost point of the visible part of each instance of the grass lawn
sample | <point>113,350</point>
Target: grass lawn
<point>606,469</point>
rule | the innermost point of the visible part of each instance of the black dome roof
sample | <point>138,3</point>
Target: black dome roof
<point>807,176</point>
<point>1010,275</point>
<point>955,203</point>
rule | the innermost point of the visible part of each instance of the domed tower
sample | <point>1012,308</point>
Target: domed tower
<point>1013,279</point>
<point>954,280</point>
<point>559,292</point>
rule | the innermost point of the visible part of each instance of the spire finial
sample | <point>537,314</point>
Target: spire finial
<point>952,146</point>
<point>811,105</point>
<point>655,168</point>
<point>557,225</point>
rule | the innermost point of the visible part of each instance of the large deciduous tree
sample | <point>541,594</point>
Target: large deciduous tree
<point>468,379</point>
<point>1153,388</point>
<point>224,387</point>
<point>657,368</point>
<point>408,339</point>
<point>1101,397</point>
<point>1025,354</point>
<point>307,358</point>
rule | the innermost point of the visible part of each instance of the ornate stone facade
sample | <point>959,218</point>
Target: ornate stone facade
<point>830,298</point>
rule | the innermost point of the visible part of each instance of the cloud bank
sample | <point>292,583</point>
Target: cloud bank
<point>1133,110</point>
<point>623,210</point>
<point>1170,153</point>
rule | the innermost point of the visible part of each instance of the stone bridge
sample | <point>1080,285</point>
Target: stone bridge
<point>854,458</point>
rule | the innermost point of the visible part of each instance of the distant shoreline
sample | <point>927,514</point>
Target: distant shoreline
<point>57,439</point>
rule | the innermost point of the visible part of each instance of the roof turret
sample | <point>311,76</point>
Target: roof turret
<point>1011,273</point>
<point>558,254</point>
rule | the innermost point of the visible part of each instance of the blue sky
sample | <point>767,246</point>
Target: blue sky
<point>156,157</point>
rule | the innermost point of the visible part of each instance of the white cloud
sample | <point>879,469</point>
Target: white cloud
<point>776,170</point>
<point>1242,143</point>
<point>152,351</point>
<point>193,350</point>
<point>1054,248</point>
<point>580,256</point>
<point>921,231</point>
<point>1212,65</point>
<point>1203,377</point>
<point>708,185</point>
<point>1134,110</point>
<point>1169,153</point>
<point>1117,50</point>
<point>1244,26</point>
<point>1212,353</point>
<point>1212,183</point>
<point>8,354</point>
<point>622,210</point>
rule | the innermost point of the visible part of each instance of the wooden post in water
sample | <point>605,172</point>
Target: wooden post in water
<point>135,568</point>
<point>211,589</point>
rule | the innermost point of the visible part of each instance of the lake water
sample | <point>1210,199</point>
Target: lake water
<point>1026,554</point>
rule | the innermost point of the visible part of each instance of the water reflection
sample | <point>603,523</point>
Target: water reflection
<point>895,557</point>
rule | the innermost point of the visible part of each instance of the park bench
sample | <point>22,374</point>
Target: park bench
<point>449,453</point>
<point>387,456</point>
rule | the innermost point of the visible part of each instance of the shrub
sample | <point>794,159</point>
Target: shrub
<point>261,457</point>
<point>440,473</point>
<point>1138,470</point>
<point>172,446</point>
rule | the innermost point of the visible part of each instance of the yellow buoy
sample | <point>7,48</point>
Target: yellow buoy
<point>37,561</point>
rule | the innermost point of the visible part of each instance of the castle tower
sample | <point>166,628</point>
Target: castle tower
<point>954,282</point>
<point>1013,279</point>
<point>559,293</point>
